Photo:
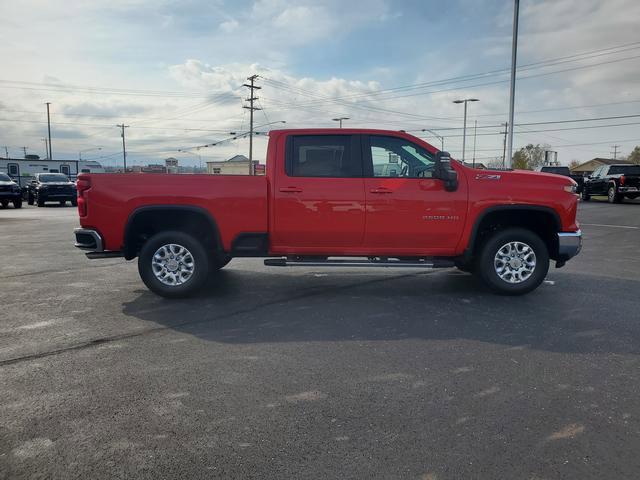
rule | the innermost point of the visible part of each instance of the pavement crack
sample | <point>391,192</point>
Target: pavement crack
<point>114,338</point>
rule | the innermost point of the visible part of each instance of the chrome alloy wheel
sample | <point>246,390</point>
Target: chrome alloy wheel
<point>515,262</point>
<point>173,264</point>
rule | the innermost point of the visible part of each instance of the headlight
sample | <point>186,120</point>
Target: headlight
<point>571,188</point>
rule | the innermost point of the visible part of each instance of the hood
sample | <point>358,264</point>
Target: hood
<point>4,182</point>
<point>532,177</point>
<point>57,183</point>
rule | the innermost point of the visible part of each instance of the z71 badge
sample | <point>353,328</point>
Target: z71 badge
<point>487,176</point>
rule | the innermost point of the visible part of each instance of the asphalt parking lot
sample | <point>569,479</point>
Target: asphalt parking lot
<point>317,373</point>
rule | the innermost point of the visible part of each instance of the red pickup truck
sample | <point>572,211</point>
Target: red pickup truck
<point>347,197</point>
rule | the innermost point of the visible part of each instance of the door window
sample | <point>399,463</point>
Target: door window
<point>12,169</point>
<point>65,169</point>
<point>396,157</point>
<point>322,156</point>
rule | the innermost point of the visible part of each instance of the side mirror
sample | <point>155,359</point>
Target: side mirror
<point>445,172</point>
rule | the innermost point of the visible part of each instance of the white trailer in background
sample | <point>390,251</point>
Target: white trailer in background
<point>22,170</point>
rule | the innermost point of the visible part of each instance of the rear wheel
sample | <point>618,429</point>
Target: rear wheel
<point>62,203</point>
<point>4,203</point>
<point>17,203</point>
<point>613,196</point>
<point>585,196</point>
<point>173,264</point>
<point>40,202</point>
<point>514,261</point>
<point>30,198</point>
<point>74,201</point>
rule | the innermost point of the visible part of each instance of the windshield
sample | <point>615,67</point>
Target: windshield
<point>625,170</point>
<point>5,178</point>
<point>52,178</point>
<point>556,170</point>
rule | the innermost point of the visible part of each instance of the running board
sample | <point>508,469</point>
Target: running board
<point>388,263</point>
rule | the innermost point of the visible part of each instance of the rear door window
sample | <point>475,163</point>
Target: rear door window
<point>332,156</point>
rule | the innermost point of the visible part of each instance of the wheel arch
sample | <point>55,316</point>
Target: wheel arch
<point>146,221</point>
<point>542,220</point>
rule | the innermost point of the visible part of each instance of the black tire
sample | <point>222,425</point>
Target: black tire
<point>40,202</point>
<point>201,262</point>
<point>4,203</point>
<point>585,196</point>
<point>74,201</point>
<point>613,196</point>
<point>486,269</point>
<point>17,203</point>
<point>63,203</point>
<point>30,199</point>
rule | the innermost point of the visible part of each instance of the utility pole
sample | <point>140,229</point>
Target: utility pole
<point>6,151</point>
<point>24,149</point>
<point>475,132</point>
<point>615,151</point>
<point>124,147</point>
<point>49,129</point>
<point>46,147</point>
<point>504,143</point>
<point>252,98</point>
<point>512,88</point>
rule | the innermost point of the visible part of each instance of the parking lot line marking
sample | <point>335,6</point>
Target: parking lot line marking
<point>610,226</point>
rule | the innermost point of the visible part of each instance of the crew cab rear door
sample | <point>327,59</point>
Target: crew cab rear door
<point>408,211</point>
<point>318,195</point>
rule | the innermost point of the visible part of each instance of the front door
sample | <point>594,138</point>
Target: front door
<point>319,195</point>
<point>408,211</point>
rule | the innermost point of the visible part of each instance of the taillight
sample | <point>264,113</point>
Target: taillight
<point>83,185</point>
<point>622,179</point>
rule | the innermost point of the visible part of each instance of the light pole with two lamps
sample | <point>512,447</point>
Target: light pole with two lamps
<point>340,119</point>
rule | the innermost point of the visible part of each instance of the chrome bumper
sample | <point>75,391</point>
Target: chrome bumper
<point>569,244</point>
<point>87,239</point>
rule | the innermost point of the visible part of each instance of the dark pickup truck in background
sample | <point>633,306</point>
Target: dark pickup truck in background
<point>52,187</point>
<point>614,181</point>
<point>564,171</point>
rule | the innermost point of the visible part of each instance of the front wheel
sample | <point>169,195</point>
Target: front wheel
<point>4,203</point>
<point>173,264</point>
<point>585,196</point>
<point>17,203</point>
<point>514,261</point>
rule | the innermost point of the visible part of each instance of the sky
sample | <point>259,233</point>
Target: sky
<point>173,71</point>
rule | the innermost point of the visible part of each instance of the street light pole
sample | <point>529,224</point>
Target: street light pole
<point>512,90</point>
<point>49,129</point>
<point>340,119</point>
<point>87,150</point>
<point>441,138</point>
<point>464,129</point>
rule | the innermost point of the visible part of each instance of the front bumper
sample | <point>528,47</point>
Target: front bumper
<point>10,196</point>
<point>569,245</point>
